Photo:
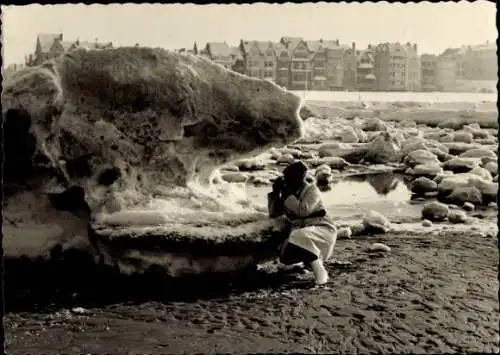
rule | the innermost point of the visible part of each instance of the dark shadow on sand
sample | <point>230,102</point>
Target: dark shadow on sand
<point>76,281</point>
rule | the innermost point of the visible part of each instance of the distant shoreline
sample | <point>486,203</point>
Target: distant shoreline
<point>378,96</point>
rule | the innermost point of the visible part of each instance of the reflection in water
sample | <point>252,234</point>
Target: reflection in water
<point>367,188</point>
<point>383,183</point>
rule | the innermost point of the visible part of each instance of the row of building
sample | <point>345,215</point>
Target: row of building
<point>321,65</point>
<point>298,64</point>
<point>48,46</point>
<point>459,64</point>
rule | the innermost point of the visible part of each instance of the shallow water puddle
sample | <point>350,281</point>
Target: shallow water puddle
<point>355,195</point>
<point>380,188</point>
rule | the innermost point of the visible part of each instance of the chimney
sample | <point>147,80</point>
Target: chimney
<point>60,36</point>
<point>415,47</point>
<point>369,46</point>
<point>353,46</point>
<point>337,42</point>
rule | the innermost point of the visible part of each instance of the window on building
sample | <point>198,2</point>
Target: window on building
<point>299,77</point>
<point>319,63</point>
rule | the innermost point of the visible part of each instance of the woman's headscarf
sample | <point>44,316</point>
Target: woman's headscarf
<point>295,172</point>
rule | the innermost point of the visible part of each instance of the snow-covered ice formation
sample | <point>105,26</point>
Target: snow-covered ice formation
<point>125,143</point>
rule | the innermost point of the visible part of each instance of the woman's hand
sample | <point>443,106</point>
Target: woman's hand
<point>287,191</point>
<point>292,188</point>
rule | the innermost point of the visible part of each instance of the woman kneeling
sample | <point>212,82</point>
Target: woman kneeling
<point>312,233</point>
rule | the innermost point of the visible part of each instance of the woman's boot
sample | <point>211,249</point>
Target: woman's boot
<point>320,272</point>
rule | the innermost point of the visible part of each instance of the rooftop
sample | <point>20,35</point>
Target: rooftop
<point>280,48</point>
<point>46,40</point>
<point>291,42</point>
<point>395,47</point>
<point>264,46</point>
<point>484,47</point>
<point>220,49</point>
<point>235,52</point>
<point>91,45</point>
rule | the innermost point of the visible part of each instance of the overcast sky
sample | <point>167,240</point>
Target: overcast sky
<point>433,26</point>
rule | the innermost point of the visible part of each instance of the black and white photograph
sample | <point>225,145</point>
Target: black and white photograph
<point>308,178</point>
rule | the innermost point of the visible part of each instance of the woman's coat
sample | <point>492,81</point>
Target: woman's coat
<point>311,229</point>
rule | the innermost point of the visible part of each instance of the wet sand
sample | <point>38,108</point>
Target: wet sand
<point>434,292</point>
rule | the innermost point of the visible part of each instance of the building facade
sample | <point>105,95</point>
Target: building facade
<point>446,73</point>
<point>350,66</point>
<point>283,64</point>
<point>327,64</point>
<point>428,72</point>
<point>300,64</point>
<point>413,68</point>
<point>59,47</point>
<point>44,44</point>
<point>480,62</point>
<point>259,59</point>
<point>459,58</point>
<point>391,67</point>
<point>49,46</point>
<point>335,66</point>
<point>268,54</point>
<point>253,61</point>
<point>318,79</point>
<point>456,55</point>
<point>296,64</point>
<point>365,70</point>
